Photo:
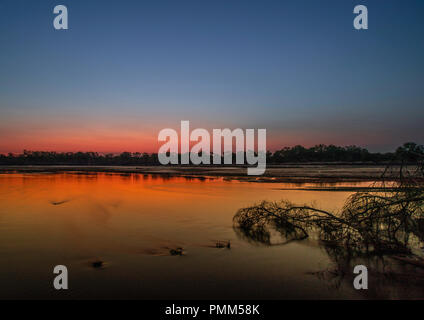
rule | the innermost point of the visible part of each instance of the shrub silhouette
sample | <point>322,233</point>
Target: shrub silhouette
<point>387,221</point>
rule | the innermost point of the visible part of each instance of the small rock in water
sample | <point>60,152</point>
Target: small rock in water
<point>97,264</point>
<point>176,252</point>
<point>223,244</point>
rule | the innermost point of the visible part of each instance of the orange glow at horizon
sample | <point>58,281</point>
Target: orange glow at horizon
<point>132,140</point>
<point>112,142</point>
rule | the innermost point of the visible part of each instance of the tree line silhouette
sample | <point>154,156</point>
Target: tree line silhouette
<point>297,154</point>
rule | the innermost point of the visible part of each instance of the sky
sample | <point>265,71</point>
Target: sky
<point>124,70</point>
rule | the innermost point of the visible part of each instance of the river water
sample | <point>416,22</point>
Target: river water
<point>130,222</point>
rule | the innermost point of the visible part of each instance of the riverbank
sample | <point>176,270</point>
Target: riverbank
<point>298,173</point>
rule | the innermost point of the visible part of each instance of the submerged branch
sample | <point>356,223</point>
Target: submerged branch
<point>380,222</point>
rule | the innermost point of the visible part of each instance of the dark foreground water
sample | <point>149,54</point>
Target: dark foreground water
<point>131,222</point>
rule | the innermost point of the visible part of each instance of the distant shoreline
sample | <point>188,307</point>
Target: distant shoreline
<point>296,173</point>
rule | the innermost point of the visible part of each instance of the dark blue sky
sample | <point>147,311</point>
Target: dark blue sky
<point>127,69</point>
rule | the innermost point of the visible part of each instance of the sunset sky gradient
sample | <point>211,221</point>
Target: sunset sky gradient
<point>127,69</point>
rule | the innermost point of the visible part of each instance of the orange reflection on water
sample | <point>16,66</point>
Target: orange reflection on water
<point>131,221</point>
